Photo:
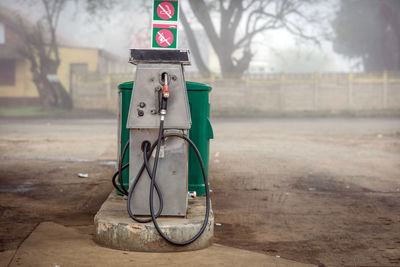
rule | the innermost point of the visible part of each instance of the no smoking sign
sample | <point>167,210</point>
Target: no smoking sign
<point>165,36</point>
<point>165,24</point>
<point>166,10</point>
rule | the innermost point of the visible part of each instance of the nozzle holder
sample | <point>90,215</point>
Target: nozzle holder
<point>162,78</point>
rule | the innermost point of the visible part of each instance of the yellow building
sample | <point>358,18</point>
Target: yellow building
<point>16,85</point>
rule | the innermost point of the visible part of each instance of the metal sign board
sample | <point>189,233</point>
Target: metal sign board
<point>164,36</point>
<point>166,10</point>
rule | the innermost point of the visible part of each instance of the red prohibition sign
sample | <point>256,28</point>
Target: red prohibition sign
<point>165,10</point>
<point>165,38</point>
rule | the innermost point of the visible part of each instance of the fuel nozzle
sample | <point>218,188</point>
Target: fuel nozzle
<point>165,95</point>
<point>165,91</point>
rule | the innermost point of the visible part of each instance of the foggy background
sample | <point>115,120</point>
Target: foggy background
<point>302,54</point>
<point>114,30</point>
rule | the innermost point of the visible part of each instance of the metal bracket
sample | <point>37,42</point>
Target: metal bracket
<point>154,56</point>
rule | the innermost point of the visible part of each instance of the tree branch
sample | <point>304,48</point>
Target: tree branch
<point>194,46</point>
<point>203,16</point>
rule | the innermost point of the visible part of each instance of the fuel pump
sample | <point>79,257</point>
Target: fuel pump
<point>159,121</point>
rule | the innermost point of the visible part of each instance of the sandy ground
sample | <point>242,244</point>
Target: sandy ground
<point>53,244</point>
<point>321,191</point>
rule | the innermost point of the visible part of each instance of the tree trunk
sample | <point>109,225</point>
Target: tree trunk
<point>46,97</point>
<point>64,100</point>
<point>44,59</point>
<point>231,69</point>
<point>203,69</point>
<point>51,93</point>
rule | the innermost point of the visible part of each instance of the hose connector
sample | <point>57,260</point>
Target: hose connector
<point>163,112</point>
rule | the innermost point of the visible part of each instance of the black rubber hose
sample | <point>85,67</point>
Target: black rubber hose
<point>115,176</point>
<point>122,189</point>
<point>126,192</point>
<point>146,156</point>
<point>153,183</point>
<point>121,183</point>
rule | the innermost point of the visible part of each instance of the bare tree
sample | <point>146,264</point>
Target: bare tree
<point>41,48</point>
<point>248,19</point>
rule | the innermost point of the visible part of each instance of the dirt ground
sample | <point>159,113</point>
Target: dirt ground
<point>322,191</point>
<point>39,163</point>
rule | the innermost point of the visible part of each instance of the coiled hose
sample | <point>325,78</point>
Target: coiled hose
<point>148,149</point>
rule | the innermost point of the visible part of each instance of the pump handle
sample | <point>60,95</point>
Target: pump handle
<point>165,91</point>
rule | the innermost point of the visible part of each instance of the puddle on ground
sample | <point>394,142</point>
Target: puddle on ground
<point>22,188</point>
<point>324,183</point>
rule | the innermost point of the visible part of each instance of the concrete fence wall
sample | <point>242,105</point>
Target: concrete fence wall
<point>97,91</point>
<point>266,93</point>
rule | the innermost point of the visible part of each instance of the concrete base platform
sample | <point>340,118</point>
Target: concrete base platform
<point>115,229</point>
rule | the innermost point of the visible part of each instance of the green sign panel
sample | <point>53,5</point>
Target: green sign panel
<point>165,36</point>
<point>166,10</point>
